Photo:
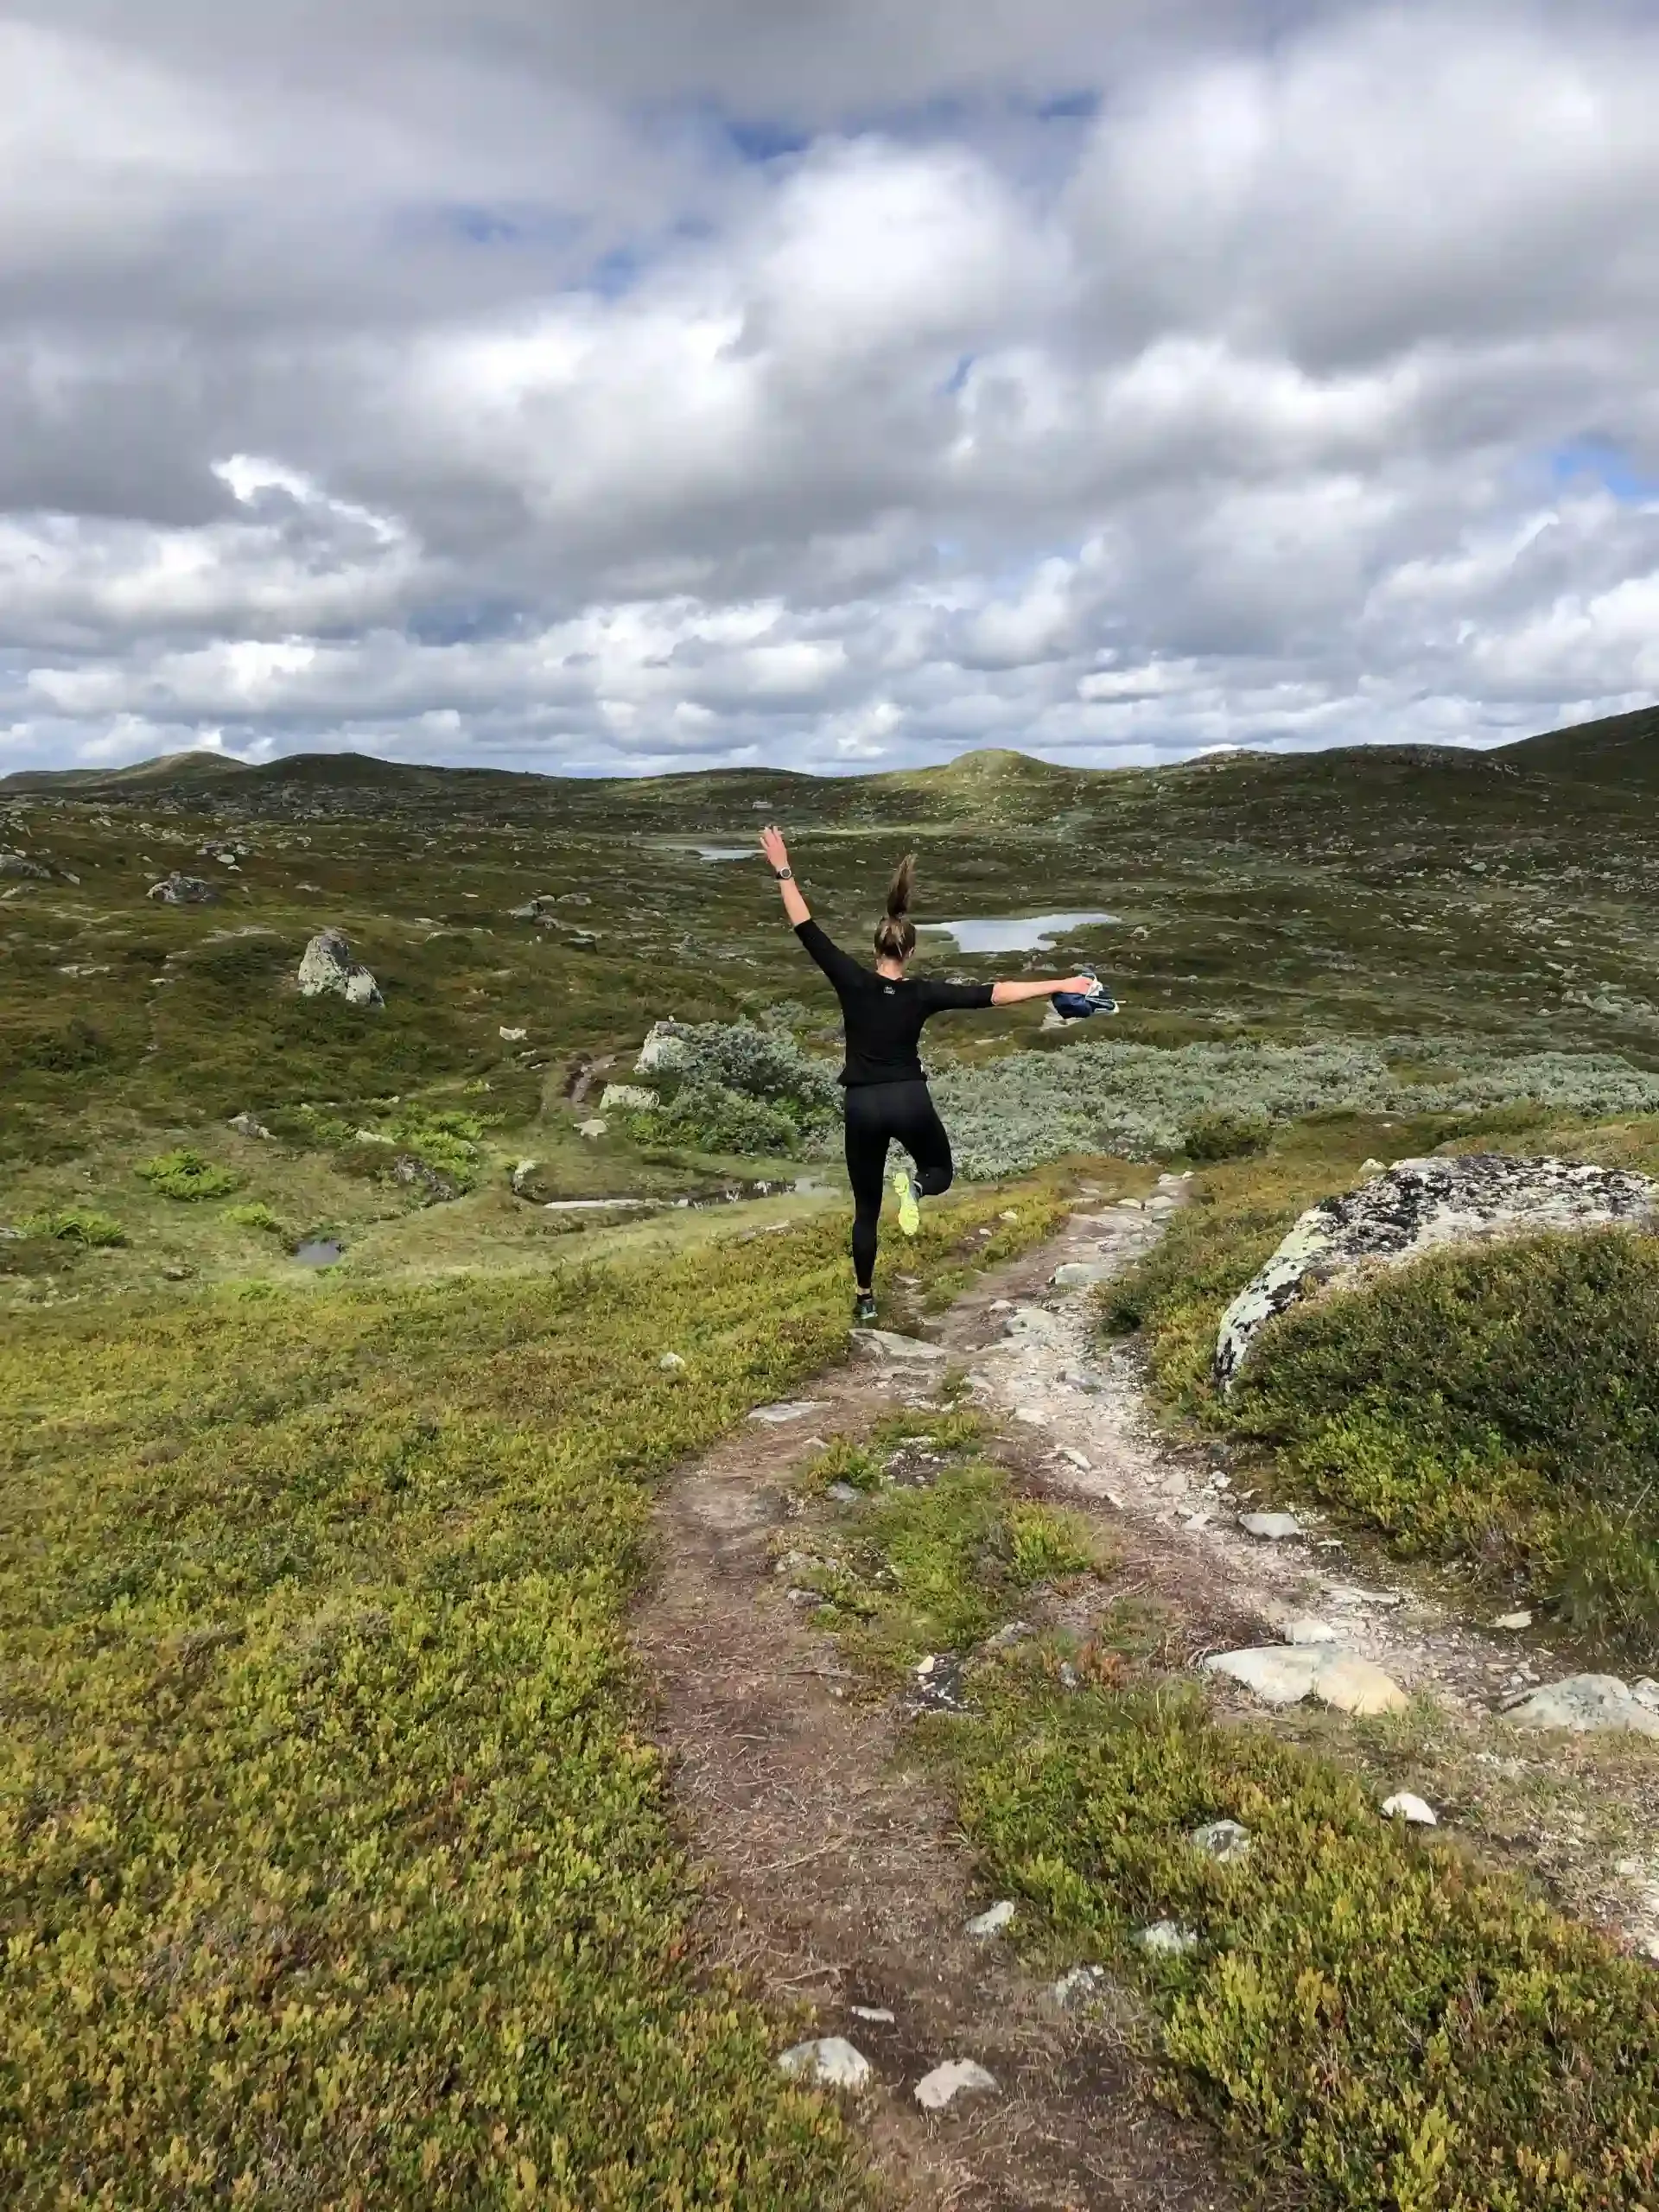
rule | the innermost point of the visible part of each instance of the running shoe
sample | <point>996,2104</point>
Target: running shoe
<point>864,1309</point>
<point>910,1214</point>
<point>1076,1005</point>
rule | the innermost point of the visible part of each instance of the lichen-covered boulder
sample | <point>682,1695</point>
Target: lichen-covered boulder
<point>663,1050</point>
<point>328,967</point>
<point>177,890</point>
<point>1417,1206</point>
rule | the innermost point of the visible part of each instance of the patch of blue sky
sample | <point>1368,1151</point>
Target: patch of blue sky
<point>512,226</point>
<point>1604,462</point>
<point>760,139</point>
<point>464,622</point>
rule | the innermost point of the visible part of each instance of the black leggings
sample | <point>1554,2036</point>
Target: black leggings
<point>880,1113</point>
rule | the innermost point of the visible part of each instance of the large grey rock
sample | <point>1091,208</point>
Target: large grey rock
<point>957,2077</point>
<point>327,969</point>
<point>1082,1275</point>
<point>1421,1205</point>
<point>663,1050</point>
<point>15,863</point>
<point>1590,1704</point>
<point>627,1098</point>
<point>828,2062</point>
<point>1271,1528</point>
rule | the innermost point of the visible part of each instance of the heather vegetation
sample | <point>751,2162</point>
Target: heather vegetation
<point>332,1845</point>
<point>1371,2020</point>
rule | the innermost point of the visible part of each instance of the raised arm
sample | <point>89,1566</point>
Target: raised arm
<point>776,853</point>
<point>1011,994</point>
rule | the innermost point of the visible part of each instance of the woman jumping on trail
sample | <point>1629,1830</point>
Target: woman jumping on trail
<point>883,1012</point>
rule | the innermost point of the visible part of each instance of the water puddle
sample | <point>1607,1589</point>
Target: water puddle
<point>320,1252</point>
<point>1015,933</point>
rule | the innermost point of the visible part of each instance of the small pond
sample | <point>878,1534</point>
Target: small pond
<point>320,1252</point>
<point>1015,933</point>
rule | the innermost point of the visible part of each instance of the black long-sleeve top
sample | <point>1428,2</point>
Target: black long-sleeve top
<point>883,1018</point>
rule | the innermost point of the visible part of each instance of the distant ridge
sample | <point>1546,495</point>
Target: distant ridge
<point>1622,750</point>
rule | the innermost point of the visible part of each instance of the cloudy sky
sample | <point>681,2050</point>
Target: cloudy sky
<point>631,383</point>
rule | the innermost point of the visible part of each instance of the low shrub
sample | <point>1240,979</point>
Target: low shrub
<point>1139,1100</point>
<point>1498,1406</point>
<point>189,1177</point>
<point>255,1215</point>
<point>731,1087</point>
<point>1225,1136</point>
<point>78,1225</point>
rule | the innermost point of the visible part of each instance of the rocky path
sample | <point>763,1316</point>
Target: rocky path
<point>837,1882</point>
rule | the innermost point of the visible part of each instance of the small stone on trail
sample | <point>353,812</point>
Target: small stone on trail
<point>1077,1985</point>
<point>831,2062</point>
<point>1070,1452</point>
<point>1033,1416</point>
<point>957,2077</point>
<point>595,1127</point>
<point>993,1921</point>
<point>1002,1305</point>
<point>1411,1810</point>
<point>884,1344</point>
<point>844,1493</point>
<point>1166,1938</point>
<point>513,1036</point>
<point>1345,1593</point>
<point>1589,1704</point>
<point>247,1126</point>
<point>878,2014</point>
<point>1308,1628</point>
<point>1272,1528</point>
<point>1082,1275</point>
<point>1355,1686</point>
<point>1225,1842</point>
<point>1194,1521</point>
<point>789,1409</point>
<point>1009,1215</point>
<point>1279,1675</point>
<point>670,1361</point>
<point>1008,1634</point>
<point>1513,1620</point>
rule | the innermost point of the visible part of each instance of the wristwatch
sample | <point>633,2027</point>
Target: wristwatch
<point>785,874</point>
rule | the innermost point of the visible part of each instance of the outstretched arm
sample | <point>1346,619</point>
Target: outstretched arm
<point>1011,994</point>
<point>776,853</point>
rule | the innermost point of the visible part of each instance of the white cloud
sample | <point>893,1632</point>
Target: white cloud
<point>462,386</point>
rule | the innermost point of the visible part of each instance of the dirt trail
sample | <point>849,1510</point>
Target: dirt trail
<point>837,1880</point>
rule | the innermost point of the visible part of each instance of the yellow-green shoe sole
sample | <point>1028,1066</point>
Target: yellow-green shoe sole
<point>910,1214</point>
